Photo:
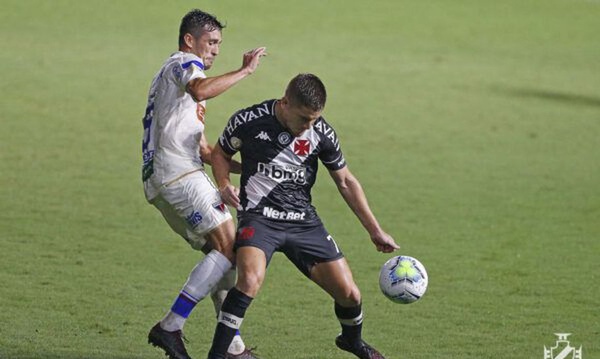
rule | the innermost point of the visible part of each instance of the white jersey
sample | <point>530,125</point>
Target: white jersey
<point>173,123</point>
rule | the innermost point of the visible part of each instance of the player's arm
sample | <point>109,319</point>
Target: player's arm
<point>206,155</point>
<point>353,194</point>
<point>205,150</point>
<point>206,88</point>
<point>221,169</point>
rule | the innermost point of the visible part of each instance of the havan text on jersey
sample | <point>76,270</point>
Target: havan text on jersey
<point>242,117</point>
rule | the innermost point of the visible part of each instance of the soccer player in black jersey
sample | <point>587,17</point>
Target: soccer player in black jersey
<point>281,142</point>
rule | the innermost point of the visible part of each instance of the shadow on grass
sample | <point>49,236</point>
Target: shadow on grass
<point>556,96</point>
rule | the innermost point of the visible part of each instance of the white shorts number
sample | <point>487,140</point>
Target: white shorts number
<point>330,238</point>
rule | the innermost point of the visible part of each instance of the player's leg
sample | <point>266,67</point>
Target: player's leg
<point>222,239</point>
<point>251,267</point>
<point>256,242</point>
<point>204,276</point>
<point>167,334</point>
<point>218,294</point>
<point>317,255</point>
<point>335,277</point>
<point>191,208</point>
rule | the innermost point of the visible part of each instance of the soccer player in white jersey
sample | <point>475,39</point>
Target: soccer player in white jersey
<point>174,153</point>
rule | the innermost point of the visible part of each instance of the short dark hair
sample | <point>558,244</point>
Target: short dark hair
<point>196,21</point>
<point>307,90</point>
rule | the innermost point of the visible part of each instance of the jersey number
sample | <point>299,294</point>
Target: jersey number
<point>330,238</point>
<point>148,155</point>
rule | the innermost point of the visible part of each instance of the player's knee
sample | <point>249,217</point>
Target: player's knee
<point>222,240</point>
<point>249,283</point>
<point>355,296</point>
<point>225,249</point>
<point>350,297</point>
<point>228,252</point>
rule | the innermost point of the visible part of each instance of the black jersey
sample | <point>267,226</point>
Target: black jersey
<point>279,170</point>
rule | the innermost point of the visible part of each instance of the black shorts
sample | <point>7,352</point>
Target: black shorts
<point>305,244</point>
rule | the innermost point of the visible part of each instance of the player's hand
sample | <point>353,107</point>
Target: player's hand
<point>384,242</point>
<point>230,195</point>
<point>252,59</point>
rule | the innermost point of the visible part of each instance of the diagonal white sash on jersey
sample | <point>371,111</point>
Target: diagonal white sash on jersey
<point>260,185</point>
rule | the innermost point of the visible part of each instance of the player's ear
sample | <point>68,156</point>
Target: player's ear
<point>188,39</point>
<point>284,101</point>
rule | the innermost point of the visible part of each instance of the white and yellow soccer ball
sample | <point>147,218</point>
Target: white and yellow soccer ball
<point>403,279</point>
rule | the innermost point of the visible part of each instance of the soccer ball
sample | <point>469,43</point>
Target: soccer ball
<point>403,279</point>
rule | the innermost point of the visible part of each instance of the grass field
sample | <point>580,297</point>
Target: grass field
<point>473,125</point>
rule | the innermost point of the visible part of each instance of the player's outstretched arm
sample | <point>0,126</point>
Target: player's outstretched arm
<point>354,196</point>
<point>206,88</point>
<point>221,169</point>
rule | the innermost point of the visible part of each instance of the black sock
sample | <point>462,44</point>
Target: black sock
<point>230,319</point>
<point>351,321</point>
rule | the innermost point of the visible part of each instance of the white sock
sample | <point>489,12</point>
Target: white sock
<point>219,291</point>
<point>172,322</point>
<point>237,345</point>
<point>201,280</point>
<point>206,274</point>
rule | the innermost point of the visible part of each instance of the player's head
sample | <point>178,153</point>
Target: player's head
<point>303,102</point>
<point>200,34</point>
<point>307,90</point>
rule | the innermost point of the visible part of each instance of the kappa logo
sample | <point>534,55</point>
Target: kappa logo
<point>263,136</point>
<point>302,147</point>
<point>562,349</point>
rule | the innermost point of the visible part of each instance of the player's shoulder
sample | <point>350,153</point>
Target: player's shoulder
<point>186,59</point>
<point>321,125</point>
<point>325,130</point>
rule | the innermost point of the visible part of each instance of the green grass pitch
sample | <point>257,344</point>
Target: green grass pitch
<point>474,127</point>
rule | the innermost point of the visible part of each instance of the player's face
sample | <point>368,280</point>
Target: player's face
<point>298,118</point>
<point>207,46</point>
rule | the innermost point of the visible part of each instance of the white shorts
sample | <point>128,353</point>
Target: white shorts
<point>192,206</point>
